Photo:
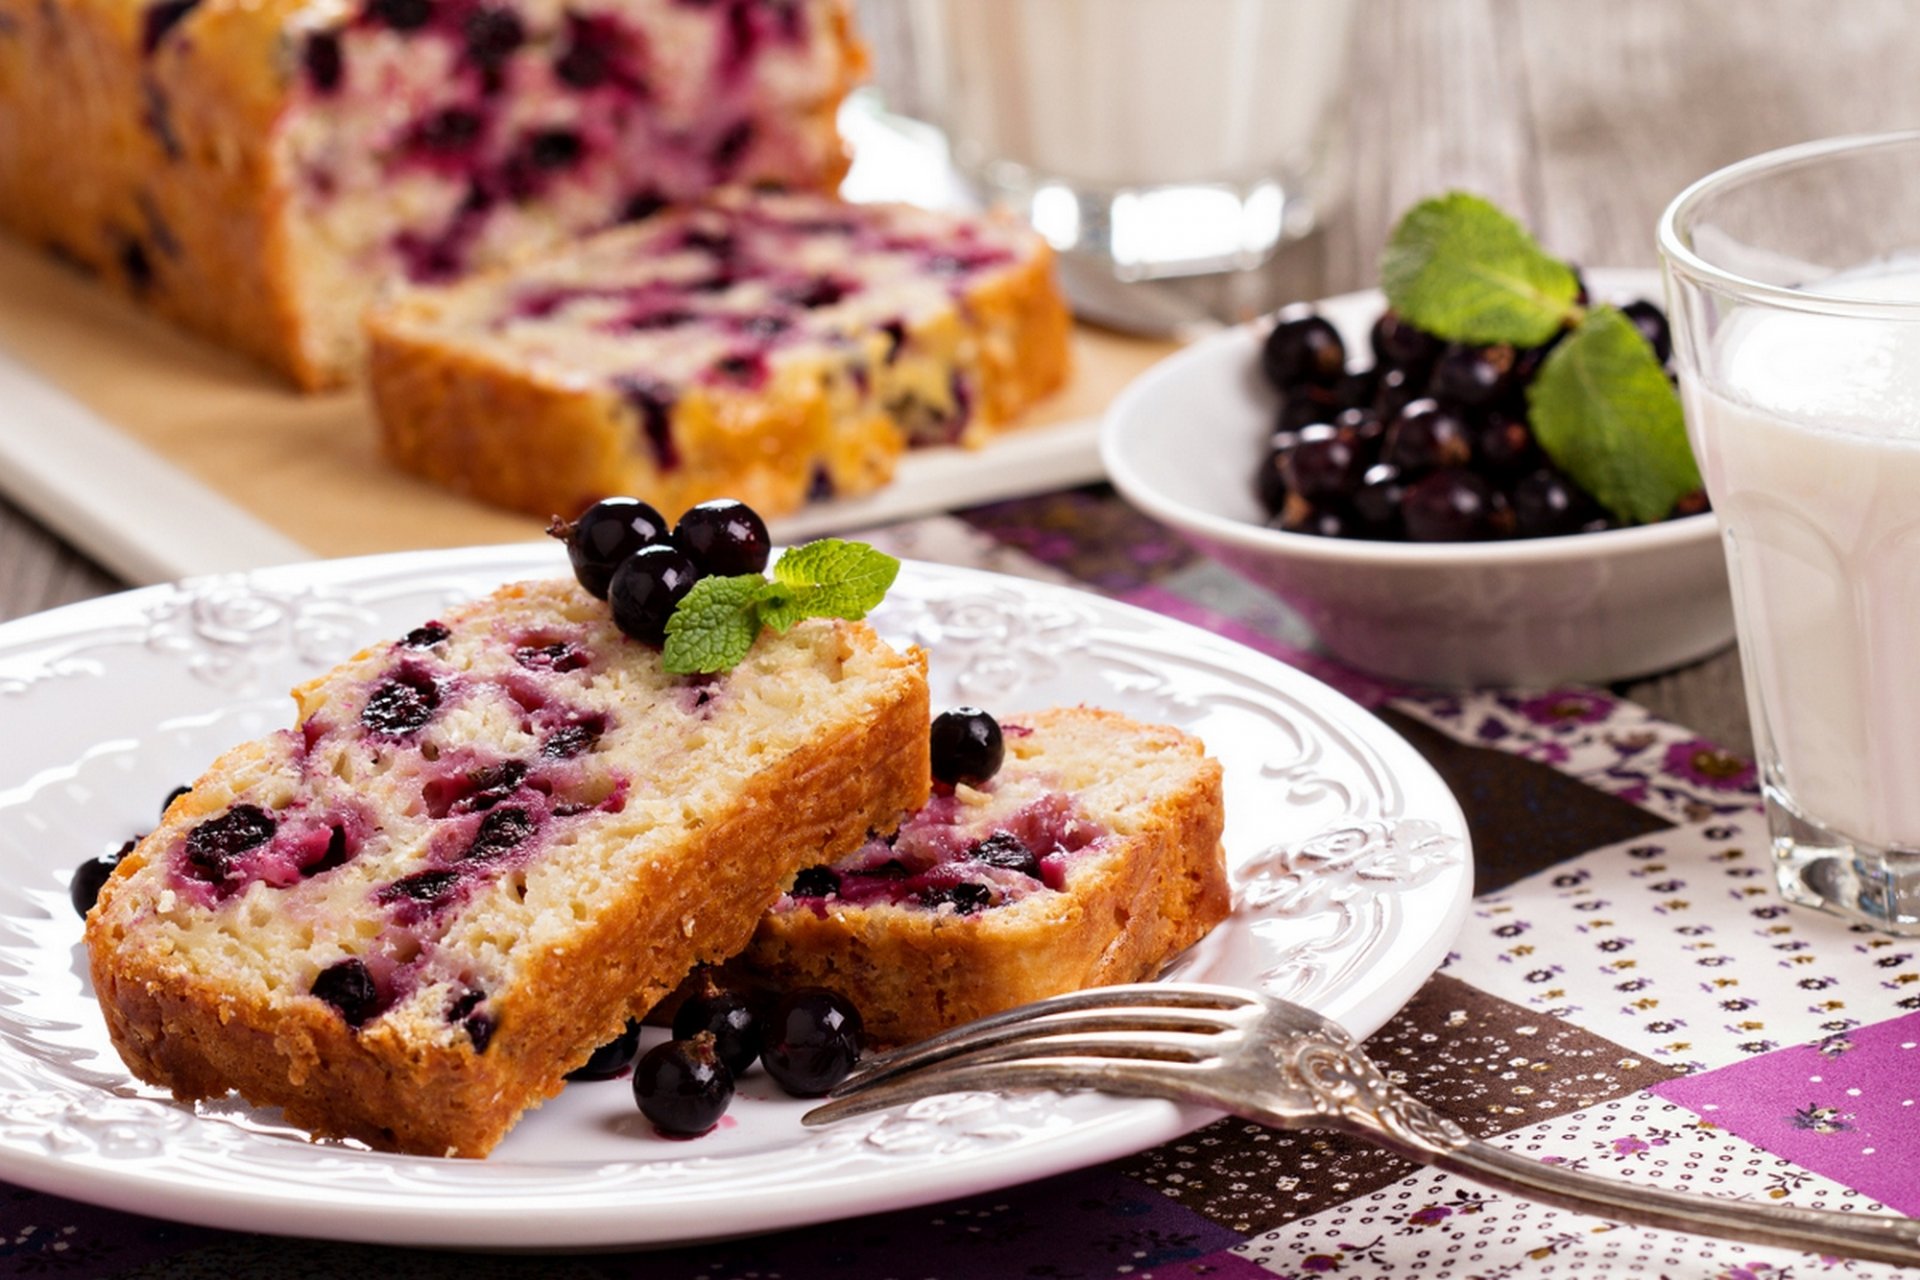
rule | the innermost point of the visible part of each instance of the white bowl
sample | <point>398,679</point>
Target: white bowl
<point>1182,444</point>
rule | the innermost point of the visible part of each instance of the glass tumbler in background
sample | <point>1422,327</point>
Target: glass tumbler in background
<point>1147,140</point>
<point>1794,284</point>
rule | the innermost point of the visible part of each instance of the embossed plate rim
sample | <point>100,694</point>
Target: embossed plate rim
<point>1356,910</point>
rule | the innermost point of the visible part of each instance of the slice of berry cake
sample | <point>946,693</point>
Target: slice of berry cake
<point>258,169</point>
<point>481,850</point>
<point>1090,858</point>
<point>773,347</point>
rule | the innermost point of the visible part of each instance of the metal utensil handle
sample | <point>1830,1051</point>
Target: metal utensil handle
<point>1349,1092</point>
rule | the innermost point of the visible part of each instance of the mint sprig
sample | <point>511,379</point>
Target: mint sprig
<point>1601,405</point>
<point>1602,408</point>
<point>1459,268</point>
<point>827,579</point>
<point>717,623</point>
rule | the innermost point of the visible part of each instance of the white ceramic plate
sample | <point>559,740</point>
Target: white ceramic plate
<point>1350,864</point>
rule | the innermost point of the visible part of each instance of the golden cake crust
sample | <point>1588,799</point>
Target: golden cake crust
<point>516,438</point>
<point>914,973</point>
<point>179,1026</point>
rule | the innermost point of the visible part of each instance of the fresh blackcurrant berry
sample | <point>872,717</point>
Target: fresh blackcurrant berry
<point>1305,405</point>
<point>611,1058</point>
<point>1651,321</point>
<point>1546,505</point>
<point>727,1017</point>
<point>1270,482</point>
<point>1329,520</point>
<point>812,1041</point>
<point>967,746</point>
<point>1377,503</point>
<point>1327,463</point>
<point>1504,445</point>
<point>608,532</point>
<point>647,588</point>
<point>724,538</point>
<point>1455,505</point>
<point>682,1086</point>
<point>1366,427</point>
<point>1304,349</point>
<point>1397,389</point>
<point>1356,390</point>
<point>90,876</point>
<point>1399,345</point>
<point>1472,376</point>
<point>1526,365</point>
<point>1425,437</point>
<point>1281,441</point>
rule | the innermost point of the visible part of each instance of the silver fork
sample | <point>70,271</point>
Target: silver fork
<point>1288,1067</point>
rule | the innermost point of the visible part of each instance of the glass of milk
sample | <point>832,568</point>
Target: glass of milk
<point>1146,139</point>
<point>1793,280</point>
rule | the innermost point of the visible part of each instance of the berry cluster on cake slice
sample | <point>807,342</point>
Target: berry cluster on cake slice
<point>261,169</point>
<point>482,848</point>
<point>776,347</point>
<point>1090,856</point>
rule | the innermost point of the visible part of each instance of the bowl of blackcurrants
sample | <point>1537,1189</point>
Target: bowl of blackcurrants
<point>1402,508</point>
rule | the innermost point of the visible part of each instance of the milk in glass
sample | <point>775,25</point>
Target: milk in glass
<point>1808,434</point>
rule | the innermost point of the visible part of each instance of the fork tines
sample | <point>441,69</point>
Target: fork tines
<point>1122,1039</point>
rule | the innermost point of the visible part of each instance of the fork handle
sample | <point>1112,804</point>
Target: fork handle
<point>1432,1139</point>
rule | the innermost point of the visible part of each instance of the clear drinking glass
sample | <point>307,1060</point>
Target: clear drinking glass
<point>1147,140</point>
<point>1794,284</point>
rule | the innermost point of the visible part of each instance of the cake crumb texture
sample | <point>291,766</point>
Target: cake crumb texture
<point>772,347</point>
<point>480,850</point>
<point>260,170</point>
<point>1124,820</point>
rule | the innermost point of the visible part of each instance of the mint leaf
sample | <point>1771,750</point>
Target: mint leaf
<point>1605,413</point>
<point>1461,269</point>
<point>712,629</point>
<point>830,578</point>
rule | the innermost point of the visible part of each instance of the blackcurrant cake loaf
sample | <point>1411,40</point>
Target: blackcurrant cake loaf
<point>480,851</point>
<point>258,169</point>
<point>773,347</point>
<point>1090,857</point>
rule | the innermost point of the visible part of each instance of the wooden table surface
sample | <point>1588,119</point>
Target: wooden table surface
<point>1582,118</point>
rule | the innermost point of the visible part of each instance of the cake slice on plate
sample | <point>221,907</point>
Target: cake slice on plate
<point>765,346</point>
<point>1090,857</point>
<point>481,849</point>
